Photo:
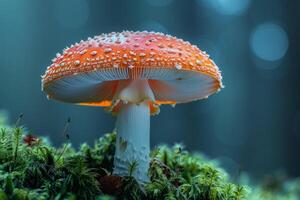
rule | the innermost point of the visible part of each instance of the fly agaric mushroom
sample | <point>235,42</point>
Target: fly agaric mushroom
<point>131,73</point>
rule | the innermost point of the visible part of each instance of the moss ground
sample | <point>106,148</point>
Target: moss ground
<point>32,169</point>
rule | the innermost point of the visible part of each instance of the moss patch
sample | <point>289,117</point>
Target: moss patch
<point>32,169</point>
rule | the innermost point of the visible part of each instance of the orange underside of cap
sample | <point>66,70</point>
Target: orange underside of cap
<point>154,106</point>
<point>109,103</point>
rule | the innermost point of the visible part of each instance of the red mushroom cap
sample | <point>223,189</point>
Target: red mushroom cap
<point>88,72</point>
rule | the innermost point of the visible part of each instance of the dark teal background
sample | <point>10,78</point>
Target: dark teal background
<point>252,124</point>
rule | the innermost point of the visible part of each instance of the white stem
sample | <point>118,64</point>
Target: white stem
<point>133,128</point>
<point>133,140</point>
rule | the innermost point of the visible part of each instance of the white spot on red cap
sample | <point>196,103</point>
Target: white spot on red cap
<point>77,62</point>
<point>199,62</point>
<point>107,50</point>
<point>178,66</point>
<point>83,52</point>
<point>93,53</point>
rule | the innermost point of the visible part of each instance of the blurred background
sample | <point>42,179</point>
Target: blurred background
<point>253,124</point>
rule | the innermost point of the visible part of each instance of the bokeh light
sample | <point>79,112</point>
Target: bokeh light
<point>159,3</point>
<point>269,42</point>
<point>228,7</point>
<point>71,13</point>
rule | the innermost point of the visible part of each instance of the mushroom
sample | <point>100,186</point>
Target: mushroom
<point>131,74</point>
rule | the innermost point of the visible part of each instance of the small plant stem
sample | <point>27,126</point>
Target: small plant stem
<point>62,152</point>
<point>66,136</point>
<point>19,120</point>
<point>17,141</point>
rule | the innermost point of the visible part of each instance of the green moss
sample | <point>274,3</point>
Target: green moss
<point>32,169</point>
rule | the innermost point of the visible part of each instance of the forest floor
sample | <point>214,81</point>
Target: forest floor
<point>32,169</point>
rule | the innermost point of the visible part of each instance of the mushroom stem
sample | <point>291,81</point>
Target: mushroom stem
<point>133,141</point>
<point>133,129</point>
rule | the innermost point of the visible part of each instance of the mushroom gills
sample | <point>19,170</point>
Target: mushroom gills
<point>97,87</point>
